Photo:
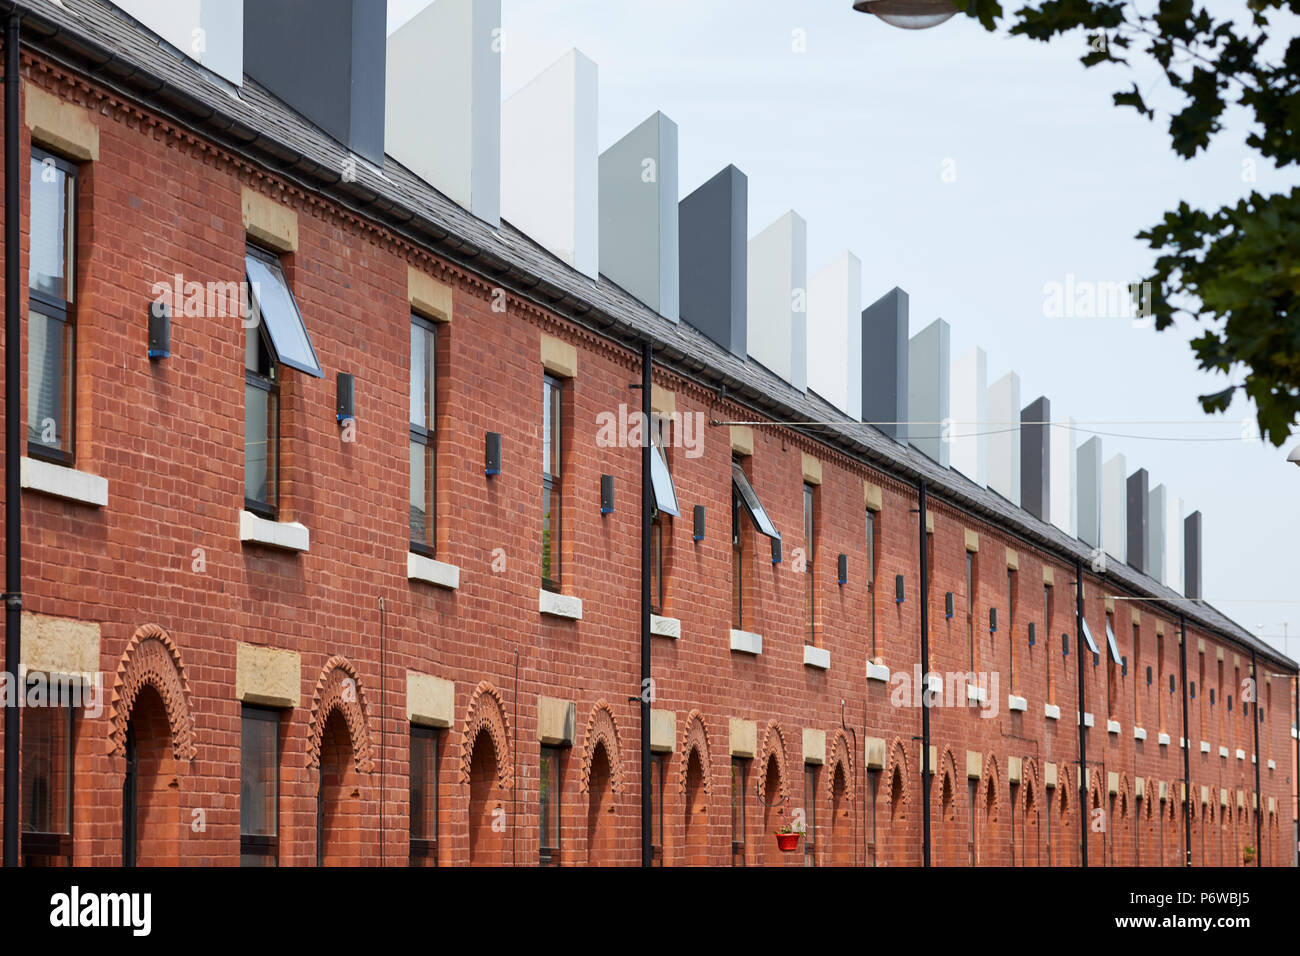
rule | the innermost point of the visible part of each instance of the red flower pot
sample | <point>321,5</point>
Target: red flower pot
<point>788,842</point>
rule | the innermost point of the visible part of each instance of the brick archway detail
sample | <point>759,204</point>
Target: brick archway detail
<point>773,747</point>
<point>841,755</point>
<point>602,728</point>
<point>486,712</point>
<point>695,736</point>
<point>989,784</point>
<point>1033,792</point>
<point>339,687</point>
<point>898,762</point>
<point>152,658</point>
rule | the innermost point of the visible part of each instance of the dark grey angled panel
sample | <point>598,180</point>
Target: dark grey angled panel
<point>1192,580</point>
<point>713,229</point>
<point>326,59</point>
<point>884,362</point>
<point>1035,459</point>
<point>1138,505</point>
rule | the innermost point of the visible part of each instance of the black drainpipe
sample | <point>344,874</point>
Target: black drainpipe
<point>1083,731</point>
<point>925,682</point>
<point>1187,746</point>
<point>647,503</point>
<point>1259,808</point>
<point>13,402</point>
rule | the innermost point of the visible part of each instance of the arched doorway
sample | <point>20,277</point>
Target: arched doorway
<point>338,797</point>
<point>151,728</point>
<point>841,842</point>
<point>695,822</point>
<point>486,808</point>
<point>151,825</point>
<point>600,810</point>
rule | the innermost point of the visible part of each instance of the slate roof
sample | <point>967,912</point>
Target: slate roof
<point>95,38</point>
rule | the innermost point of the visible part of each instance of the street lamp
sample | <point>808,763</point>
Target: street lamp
<point>908,14</point>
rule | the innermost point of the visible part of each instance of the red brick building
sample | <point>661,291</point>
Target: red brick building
<point>299,665</point>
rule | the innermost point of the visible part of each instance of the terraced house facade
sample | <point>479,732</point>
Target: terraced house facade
<point>355,558</point>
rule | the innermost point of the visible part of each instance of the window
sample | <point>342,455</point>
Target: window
<point>1047,643</point>
<point>51,281</point>
<point>424,796</point>
<point>659,775</point>
<point>1012,644</point>
<point>970,607</point>
<point>810,813</point>
<point>1200,682</point>
<point>1137,676</point>
<point>548,815</point>
<point>1160,682</point>
<point>259,786</point>
<point>737,564</point>
<point>47,784</point>
<point>424,449</point>
<point>261,425</point>
<point>552,491</point>
<point>1112,668</point>
<point>665,504</point>
<point>871,574</point>
<point>809,537</point>
<point>739,767</point>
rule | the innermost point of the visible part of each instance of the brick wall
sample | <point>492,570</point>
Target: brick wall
<point>166,553</point>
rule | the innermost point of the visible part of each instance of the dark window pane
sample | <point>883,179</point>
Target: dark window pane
<point>51,193</point>
<point>259,773</point>
<point>260,444</point>
<point>422,487</point>
<point>46,770</point>
<point>549,793</point>
<point>49,381</point>
<point>424,785</point>
<point>550,536</point>
<point>656,566</point>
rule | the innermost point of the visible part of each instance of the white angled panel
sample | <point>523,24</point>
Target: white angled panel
<point>835,333</point>
<point>442,115</point>
<point>1114,507</point>
<point>549,161</point>
<point>777,334</point>
<point>968,401</point>
<point>1004,437</point>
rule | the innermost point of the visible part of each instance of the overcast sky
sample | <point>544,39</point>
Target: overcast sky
<point>853,124</point>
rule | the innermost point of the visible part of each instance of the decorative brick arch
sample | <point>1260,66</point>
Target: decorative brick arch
<point>1125,796</point>
<point>841,756</point>
<point>1032,798</point>
<point>152,658</point>
<point>897,762</point>
<point>486,712</point>
<point>947,773</point>
<point>773,747</point>
<point>338,687</point>
<point>1095,792</point>
<point>602,728</point>
<point>988,780</point>
<point>695,736</point>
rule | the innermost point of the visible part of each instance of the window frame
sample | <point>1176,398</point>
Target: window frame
<point>739,765</point>
<point>251,844</point>
<point>810,536</point>
<point>427,436</point>
<point>41,843</point>
<point>737,562</point>
<point>548,798</point>
<point>62,311</point>
<point>810,813</point>
<point>553,483</point>
<point>871,530</point>
<point>270,384</point>
<point>657,529</point>
<point>424,849</point>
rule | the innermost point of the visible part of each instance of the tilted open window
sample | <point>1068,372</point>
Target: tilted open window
<point>749,499</point>
<point>662,483</point>
<point>1087,636</point>
<point>1110,641</point>
<point>269,295</point>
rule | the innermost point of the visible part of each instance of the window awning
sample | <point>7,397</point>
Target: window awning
<point>662,483</point>
<point>757,514</point>
<point>269,294</point>
<point>1110,641</point>
<point>1087,636</point>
